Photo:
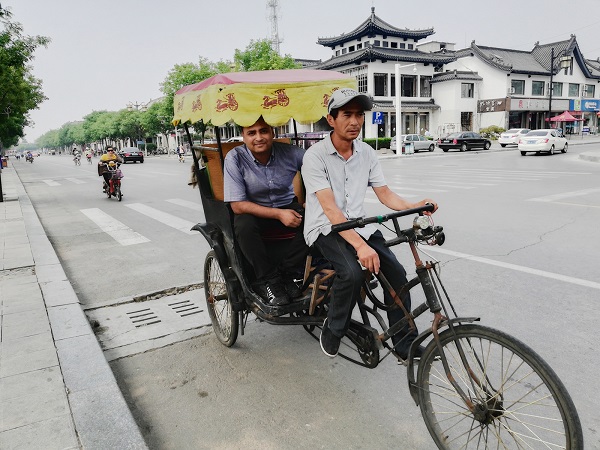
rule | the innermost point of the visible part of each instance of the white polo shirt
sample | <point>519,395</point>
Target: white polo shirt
<point>322,168</point>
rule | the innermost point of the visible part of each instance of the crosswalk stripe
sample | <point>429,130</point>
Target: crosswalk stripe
<point>75,180</point>
<point>115,229</point>
<point>163,217</point>
<point>550,198</point>
<point>420,189</point>
<point>187,204</point>
<point>51,183</point>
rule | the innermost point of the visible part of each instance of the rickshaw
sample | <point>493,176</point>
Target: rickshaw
<point>475,386</point>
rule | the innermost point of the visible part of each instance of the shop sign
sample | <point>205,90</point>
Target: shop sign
<point>491,105</point>
<point>584,105</point>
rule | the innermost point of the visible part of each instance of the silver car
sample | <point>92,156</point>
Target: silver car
<point>512,136</point>
<point>419,143</point>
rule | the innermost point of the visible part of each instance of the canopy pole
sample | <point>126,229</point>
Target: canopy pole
<point>194,156</point>
<point>295,131</point>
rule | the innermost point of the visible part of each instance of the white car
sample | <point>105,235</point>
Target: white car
<point>544,140</point>
<point>235,139</point>
<point>512,136</point>
<point>419,143</point>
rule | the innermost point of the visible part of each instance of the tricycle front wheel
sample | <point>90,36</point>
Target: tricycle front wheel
<point>224,319</point>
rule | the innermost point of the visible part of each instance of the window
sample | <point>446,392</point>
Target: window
<point>386,44</point>
<point>410,46</point>
<point>402,45</point>
<point>380,82</point>
<point>466,120</point>
<point>351,48</point>
<point>557,89</point>
<point>358,46</point>
<point>517,87</point>
<point>394,44</point>
<point>344,51</point>
<point>377,43</point>
<point>409,86</point>
<point>337,53</point>
<point>466,90</point>
<point>573,90</point>
<point>537,87</point>
<point>362,82</point>
<point>393,85</point>
<point>588,90</point>
<point>425,84</point>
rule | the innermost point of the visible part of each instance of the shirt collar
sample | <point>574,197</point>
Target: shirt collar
<point>271,158</point>
<point>332,150</point>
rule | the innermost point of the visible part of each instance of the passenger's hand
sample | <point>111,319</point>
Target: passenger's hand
<point>290,218</point>
<point>368,257</point>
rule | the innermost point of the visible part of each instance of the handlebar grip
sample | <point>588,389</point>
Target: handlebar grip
<point>349,224</point>
<point>396,241</point>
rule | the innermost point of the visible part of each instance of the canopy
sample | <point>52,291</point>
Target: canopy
<point>277,95</point>
<point>564,117</point>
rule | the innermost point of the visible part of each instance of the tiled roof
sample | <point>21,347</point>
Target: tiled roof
<point>593,66</point>
<point>455,75</point>
<point>371,53</point>
<point>373,26</point>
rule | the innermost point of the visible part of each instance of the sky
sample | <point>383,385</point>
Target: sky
<point>105,54</point>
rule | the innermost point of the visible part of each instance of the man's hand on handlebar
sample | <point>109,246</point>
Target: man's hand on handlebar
<point>426,202</point>
<point>368,257</point>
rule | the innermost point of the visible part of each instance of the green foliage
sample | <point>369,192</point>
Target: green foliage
<point>383,142</point>
<point>260,55</point>
<point>20,91</point>
<point>491,132</point>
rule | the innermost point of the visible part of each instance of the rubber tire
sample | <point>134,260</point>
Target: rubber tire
<point>502,145</point>
<point>551,151</point>
<point>566,148</point>
<point>463,147</point>
<point>225,320</point>
<point>523,153</point>
<point>431,147</point>
<point>444,149</point>
<point>521,368</point>
<point>118,193</point>
<point>486,146</point>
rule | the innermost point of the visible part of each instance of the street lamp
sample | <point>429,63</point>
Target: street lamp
<point>139,107</point>
<point>565,63</point>
<point>398,83</point>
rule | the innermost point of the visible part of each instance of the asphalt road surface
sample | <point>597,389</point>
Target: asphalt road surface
<point>521,253</point>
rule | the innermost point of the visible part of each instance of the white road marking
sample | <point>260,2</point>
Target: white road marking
<point>551,198</point>
<point>420,189</point>
<point>51,183</point>
<point>75,180</point>
<point>163,217</point>
<point>187,204</point>
<point>115,229</point>
<point>541,273</point>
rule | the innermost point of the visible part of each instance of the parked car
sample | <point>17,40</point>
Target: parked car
<point>235,139</point>
<point>512,136</point>
<point>544,140</point>
<point>419,143</point>
<point>464,140</point>
<point>131,154</point>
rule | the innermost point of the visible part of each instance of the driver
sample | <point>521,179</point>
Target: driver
<point>258,185</point>
<point>103,171</point>
<point>336,173</point>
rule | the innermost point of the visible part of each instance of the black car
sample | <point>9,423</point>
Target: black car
<point>131,154</point>
<point>464,140</point>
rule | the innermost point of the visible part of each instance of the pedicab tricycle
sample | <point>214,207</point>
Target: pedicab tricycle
<point>476,386</point>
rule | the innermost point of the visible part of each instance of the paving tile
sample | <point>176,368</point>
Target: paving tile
<point>91,425</point>
<point>37,382</point>
<point>22,324</point>
<point>36,360</point>
<point>68,321</point>
<point>25,345</point>
<point>55,433</point>
<point>50,272</point>
<point>57,293</point>
<point>28,409</point>
<point>83,363</point>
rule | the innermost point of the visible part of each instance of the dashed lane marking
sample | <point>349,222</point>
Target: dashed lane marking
<point>115,229</point>
<point>75,180</point>
<point>163,217</point>
<point>51,183</point>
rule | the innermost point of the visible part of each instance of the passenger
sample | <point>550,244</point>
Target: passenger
<point>336,173</point>
<point>258,184</point>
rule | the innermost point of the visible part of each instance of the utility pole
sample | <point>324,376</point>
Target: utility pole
<point>273,5</point>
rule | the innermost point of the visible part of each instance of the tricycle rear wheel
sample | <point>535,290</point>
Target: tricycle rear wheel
<point>224,319</point>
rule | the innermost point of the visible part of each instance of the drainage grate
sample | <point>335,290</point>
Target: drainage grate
<point>185,308</point>
<point>143,317</point>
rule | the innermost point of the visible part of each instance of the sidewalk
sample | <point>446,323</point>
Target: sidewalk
<point>57,390</point>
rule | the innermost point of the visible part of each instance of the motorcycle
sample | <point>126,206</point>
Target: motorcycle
<point>113,187</point>
<point>29,158</point>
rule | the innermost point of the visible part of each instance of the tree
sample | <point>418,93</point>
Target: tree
<point>20,91</point>
<point>259,55</point>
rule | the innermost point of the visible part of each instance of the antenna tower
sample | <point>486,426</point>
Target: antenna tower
<point>273,6</point>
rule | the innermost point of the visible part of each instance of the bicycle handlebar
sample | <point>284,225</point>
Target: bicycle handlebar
<point>362,221</point>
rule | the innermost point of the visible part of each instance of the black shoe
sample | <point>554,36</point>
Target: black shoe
<point>418,354</point>
<point>330,343</point>
<point>292,286</point>
<point>272,291</point>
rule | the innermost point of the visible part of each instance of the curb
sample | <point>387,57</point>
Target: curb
<point>102,417</point>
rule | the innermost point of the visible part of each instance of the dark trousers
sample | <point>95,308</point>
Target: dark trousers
<point>248,230</point>
<point>348,281</point>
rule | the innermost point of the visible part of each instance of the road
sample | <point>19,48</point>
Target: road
<point>521,253</point>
